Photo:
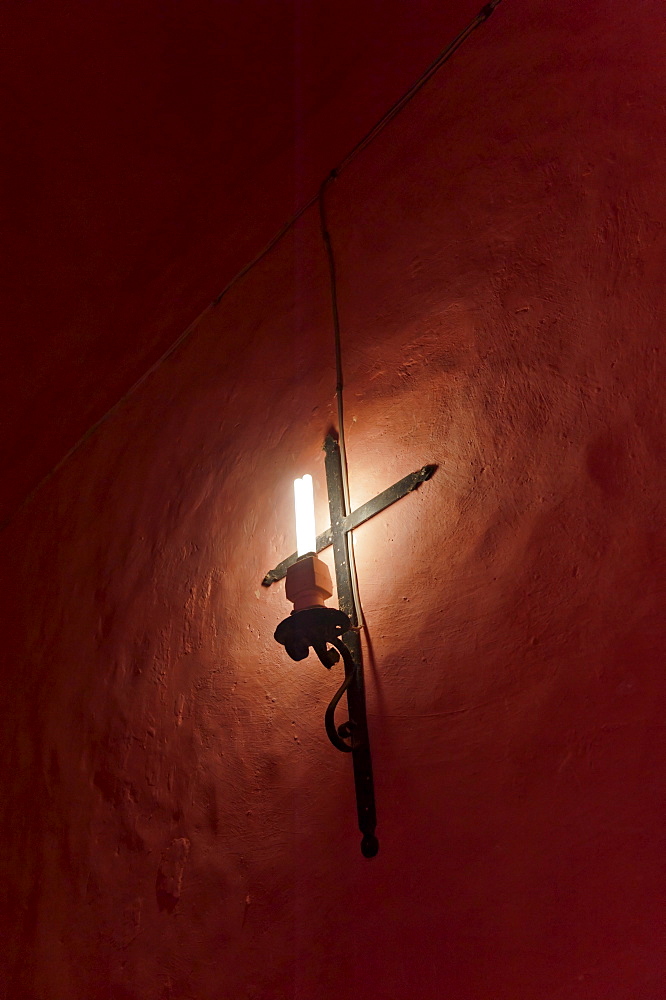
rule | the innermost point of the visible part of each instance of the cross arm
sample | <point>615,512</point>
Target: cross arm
<point>280,571</point>
<point>389,496</point>
<point>358,516</point>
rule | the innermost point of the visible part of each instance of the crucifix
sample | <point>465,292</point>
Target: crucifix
<point>312,624</point>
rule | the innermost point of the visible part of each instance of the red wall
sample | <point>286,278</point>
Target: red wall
<point>149,150</point>
<point>175,823</point>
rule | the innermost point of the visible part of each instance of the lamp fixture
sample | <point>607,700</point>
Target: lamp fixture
<point>334,634</point>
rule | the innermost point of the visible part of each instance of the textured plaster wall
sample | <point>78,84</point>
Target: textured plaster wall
<point>174,822</point>
<point>149,150</point>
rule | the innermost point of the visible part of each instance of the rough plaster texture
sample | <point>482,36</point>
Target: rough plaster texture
<point>150,150</point>
<point>175,824</point>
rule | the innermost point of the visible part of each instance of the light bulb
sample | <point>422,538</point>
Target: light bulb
<point>306,536</point>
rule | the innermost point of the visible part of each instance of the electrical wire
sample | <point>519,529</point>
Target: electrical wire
<point>357,617</point>
<point>394,110</point>
<point>444,55</point>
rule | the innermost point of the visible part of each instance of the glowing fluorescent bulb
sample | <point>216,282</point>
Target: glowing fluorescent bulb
<point>306,536</point>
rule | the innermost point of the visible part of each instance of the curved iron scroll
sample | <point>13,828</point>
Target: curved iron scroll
<point>337,734</point>
<point>322,629</point>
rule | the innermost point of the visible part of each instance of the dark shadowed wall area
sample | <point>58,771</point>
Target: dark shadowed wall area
<point>175,825</point>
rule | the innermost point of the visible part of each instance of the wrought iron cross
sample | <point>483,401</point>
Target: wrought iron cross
<point>343,632</point>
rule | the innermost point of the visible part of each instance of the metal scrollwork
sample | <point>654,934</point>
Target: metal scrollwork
<point>320,628</point>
